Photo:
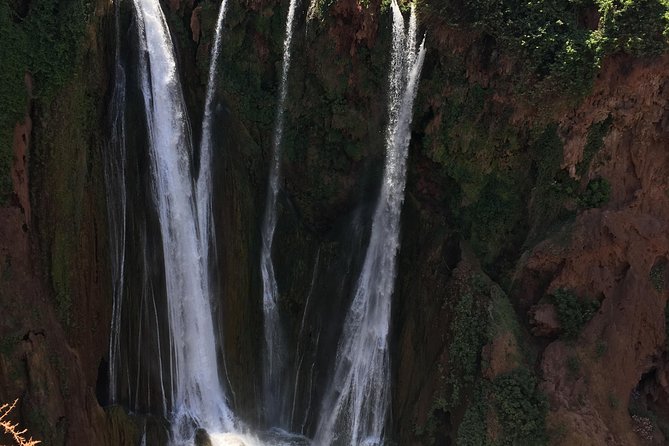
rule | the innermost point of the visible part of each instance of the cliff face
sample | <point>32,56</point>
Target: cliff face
<point>616,254</point>
<point>524,182</point>
<point>532,280</point>
<point>55,300</point>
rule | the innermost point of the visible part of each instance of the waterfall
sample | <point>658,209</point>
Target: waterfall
<point>204,182</point>
<point>114,171</point>
<point>274,386</point>
<point>355,405</point>
<point>197,393</point>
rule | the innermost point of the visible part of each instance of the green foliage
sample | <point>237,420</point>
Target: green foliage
<point>614,401</point>
<point>521,408</point>
<point>8,343</point>
<point>666,325</point>
<point>45,41</point>
<point>468,335</point>
<point>633,26</point>
<point>594,143</point>
<point>597,193</point>
<point>657,274</point>
<point>558,41</point>
<point>321,8</point>
<point>600,349</point>
<point>472,428</point>
<point>497,217</point>
<point>573,366</point>
<point>572,312</point>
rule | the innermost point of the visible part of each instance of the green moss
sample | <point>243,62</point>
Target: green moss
<point>467,339</point>
<point>666,325</point>
<point>600,349</point>
<point>614,401</point>
<point>8,343</point>
<point>573,366</point>
<point>45,41</point>
<point>657,275</point>
<point>594,143</point>
<point>553,187</point>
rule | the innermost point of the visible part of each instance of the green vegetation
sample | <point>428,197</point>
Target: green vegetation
<point>657,275</point>
<point>467,340</point>
<point>8,343</point>
<point>573,313</point>
<point>595,141</point>
<point>560,42</point>
<point>472,428</point>
<point>573,366</point>
<point>596,194</point>
<point>666,325</point>
<point>521,408</point>
<point>553,187</point>
<point>43,38</point>
<point>600,349</point>
<point>614,401</point>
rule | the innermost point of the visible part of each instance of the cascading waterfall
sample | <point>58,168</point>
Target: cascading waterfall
<point>275,398</point>
<point>197,394</point>
<point>204,181</point>
<point>114,171</point>
<point>355,406</point>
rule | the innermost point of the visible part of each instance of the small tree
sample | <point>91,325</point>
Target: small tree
<point>573,313</point>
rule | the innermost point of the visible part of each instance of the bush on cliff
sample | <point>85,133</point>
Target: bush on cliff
<point>573,313</point>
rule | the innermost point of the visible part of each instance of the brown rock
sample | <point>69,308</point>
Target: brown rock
<point>501,354</point>
<point>544,320</point>
<point>195,25</point>
<point>608,253</point>
<point>21,143</point>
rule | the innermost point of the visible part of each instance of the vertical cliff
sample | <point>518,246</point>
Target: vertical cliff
<point>55,296</point>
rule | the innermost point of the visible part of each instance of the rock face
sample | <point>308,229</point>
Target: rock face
<point>54,296</point>
<point>544,320</point>
<point>610,252</point>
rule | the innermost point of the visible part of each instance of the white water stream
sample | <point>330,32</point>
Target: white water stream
<point>115,168</point>
<point>197,394</point>
<point>275,392</point>
<point>355,406</point>
<point>204,179</point>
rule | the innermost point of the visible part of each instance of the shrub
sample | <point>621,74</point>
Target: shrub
<point>596,194</point>
<point>468,337</point>
<point>521,408</point>
<point>657,275</point>
<point>573,313</point>
<point>573,367</point>
<point>472,429</point>
<point>594,143</point>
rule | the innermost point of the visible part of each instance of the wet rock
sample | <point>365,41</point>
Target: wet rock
<point>202,438</point>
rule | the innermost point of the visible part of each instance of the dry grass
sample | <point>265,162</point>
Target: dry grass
<point>13,430</point>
